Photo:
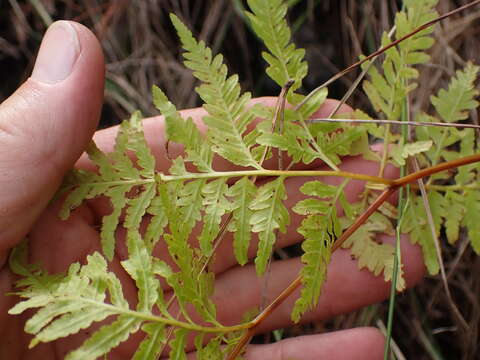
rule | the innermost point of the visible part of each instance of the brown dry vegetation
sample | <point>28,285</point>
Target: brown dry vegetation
<point>141,49</point>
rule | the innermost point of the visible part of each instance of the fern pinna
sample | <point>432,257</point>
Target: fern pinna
<point>193,205</point>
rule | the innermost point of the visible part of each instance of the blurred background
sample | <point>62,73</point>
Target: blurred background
<point>141,49</point>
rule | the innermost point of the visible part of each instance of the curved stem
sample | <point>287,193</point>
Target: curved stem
<point>285,173</point>
<point>295,284</point>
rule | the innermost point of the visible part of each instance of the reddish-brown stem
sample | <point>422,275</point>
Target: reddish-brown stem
<point>364,217</point>
<point>436,169</point>
<point>295,284</point>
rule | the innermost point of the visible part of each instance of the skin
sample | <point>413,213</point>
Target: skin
<point>41,118</point>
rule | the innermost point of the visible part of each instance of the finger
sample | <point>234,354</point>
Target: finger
<point>358,344</point>
<point>225,258</point>
<point>346,288</point>
<point>155,135</point>
<point>46,124</point>
<point>240,290</point>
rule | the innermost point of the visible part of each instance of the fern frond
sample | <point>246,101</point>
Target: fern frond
<point>402,152</point>
<point>73,302</point>
<point>320,229</point>
<point>472,209</point>
<point>454,103</point>
<point>177,345</point>
<point>151,345</point>
<point>117,175</point>
<point>215,206</point>
<point>212,350</point>
<point>106,338</point>
<point>387,90</point>
<point>242,192</point>
<point>228,114</point>
<point>285,60</point>
<point>455,216</point>
<point>157,223</point>
<point>415,223</point>
<point>191,285</point>
<point>294,141</point>
<point>184,132</point>
<point>377,258</point>
<point>269,214</point>
<point>140,268</point>
<point>190,202</point>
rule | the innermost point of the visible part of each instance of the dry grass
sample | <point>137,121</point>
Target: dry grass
<point>141,49</point>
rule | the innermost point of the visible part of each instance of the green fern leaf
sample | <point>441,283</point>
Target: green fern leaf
<point>285,60</point>
<point>184,132</point>
<point>118,199</point>
<point>402,152</point>
<point>294,141</point>
<point>269,214</point>
<point>472,206</point>
<point>137,206</point>
<point>213,350</point>
<point>376,257</point>
<point>341,141</point>
<point>117,175</point>
<point>320,231</point>
<point>415,223</point>
<point>215,206</point>
<point>140,268</point>
<point>153,342</point>
<point>387,91</point>
<point>456,213</point>
<point>190,204</point>
<point>242,192</point>
<point>70,303</point>
<point>228,115</point>
<point>157,223</point>
<point>106,338</point>
<point>177,345</point>
<point>453,104</point>
<point>465,174</point>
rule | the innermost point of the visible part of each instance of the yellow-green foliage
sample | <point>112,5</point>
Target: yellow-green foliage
<point>178,200</point>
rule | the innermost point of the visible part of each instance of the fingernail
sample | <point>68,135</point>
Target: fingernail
<point>58,53</point>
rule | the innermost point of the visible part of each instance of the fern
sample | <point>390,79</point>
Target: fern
<point>228,115</point>
<point>269,214</point>
<point>386,91</point>
<point>242,192</point>
<point>117,176</point>
<point>184,132</point>
<point>451,203</point>
<point>376,257</point>
<point>320,229</point>
<point>285,60</point>
<point>191,205</point>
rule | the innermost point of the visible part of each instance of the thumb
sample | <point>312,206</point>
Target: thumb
<point>46,124</point>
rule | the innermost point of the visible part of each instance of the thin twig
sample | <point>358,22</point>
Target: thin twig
<point>385,48</point>
<point>393,122</point>
<point>357,81</point>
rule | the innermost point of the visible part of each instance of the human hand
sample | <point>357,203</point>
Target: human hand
<point>44,128</point>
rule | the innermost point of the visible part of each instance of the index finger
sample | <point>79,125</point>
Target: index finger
<point>154,128</point>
